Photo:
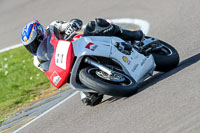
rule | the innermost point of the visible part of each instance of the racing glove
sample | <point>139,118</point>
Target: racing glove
<point>71,28</point>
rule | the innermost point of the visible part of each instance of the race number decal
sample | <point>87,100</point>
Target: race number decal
<point>61,54</point>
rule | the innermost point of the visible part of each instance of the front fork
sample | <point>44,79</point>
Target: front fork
<point>101,67</point>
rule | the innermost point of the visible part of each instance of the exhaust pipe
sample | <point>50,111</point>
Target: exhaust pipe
<point>101,67</point>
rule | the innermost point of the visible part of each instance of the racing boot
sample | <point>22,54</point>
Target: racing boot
<point>128,35</point>
<point>136,35</point>
<point>91,99</point>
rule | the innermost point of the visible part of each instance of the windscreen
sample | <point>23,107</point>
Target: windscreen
<point>44,53</point>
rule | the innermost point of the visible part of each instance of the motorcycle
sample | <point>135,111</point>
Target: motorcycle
<point>104,65</point>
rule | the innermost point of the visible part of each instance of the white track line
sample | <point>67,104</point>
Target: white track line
<point>11,47</point>
<point>46,112</point>
<point>144,25</point>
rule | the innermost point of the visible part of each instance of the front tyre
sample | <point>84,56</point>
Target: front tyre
<point>116,85</point>
<point>166,58</point>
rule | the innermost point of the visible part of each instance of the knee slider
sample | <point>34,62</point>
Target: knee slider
<point>90,26</point>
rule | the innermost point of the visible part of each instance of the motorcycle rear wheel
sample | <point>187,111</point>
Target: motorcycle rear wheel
<point>165,58</point>
<point>121,85</point>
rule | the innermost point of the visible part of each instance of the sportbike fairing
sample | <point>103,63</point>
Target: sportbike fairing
<point>56,57</point>
<point>135,65</point>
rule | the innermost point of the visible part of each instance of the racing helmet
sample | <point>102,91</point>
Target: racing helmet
<point>32,35</point>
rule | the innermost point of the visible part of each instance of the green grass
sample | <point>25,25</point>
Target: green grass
<point>20,81</point>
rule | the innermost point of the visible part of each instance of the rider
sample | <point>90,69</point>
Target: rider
<point>33,34</point>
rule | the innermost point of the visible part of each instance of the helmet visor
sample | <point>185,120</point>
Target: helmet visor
<point>33,46</point>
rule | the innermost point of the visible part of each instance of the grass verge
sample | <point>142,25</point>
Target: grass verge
<point>20,81</point>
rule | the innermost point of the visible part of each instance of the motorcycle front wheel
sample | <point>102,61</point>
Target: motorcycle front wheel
<point>166,58</point>
<point>118,84</point>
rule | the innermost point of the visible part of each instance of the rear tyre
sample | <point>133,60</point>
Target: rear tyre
<point>165,58</point>
<point>97,80</point>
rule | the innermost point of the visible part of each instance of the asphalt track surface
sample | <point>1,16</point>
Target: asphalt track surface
<point>168,102</point>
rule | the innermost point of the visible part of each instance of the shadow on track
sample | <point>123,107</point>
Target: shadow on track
<point>112,99</point>
<point>161,76</point>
